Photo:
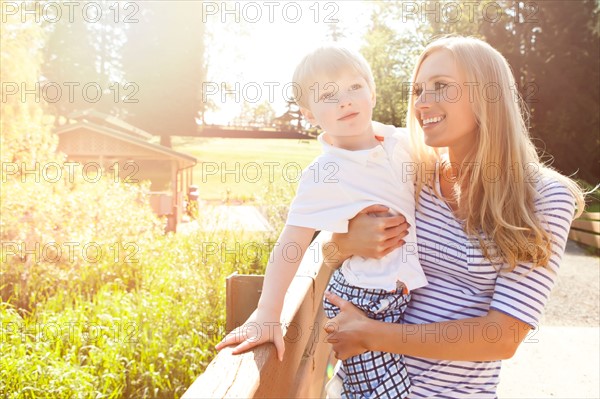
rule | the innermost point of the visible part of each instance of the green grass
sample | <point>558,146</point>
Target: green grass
<point>149,342</point>
<point>593,207</point>
<point>593,197</point>
<point>141,326</point>
<point>237,168</point>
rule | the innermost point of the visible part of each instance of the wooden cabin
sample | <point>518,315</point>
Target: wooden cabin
<point>91,136</point>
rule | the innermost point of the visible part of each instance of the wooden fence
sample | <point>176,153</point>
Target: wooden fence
<point>586,229</point>
<point>258,373</point>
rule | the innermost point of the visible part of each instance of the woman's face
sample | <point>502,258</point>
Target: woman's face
<point>443,103</point>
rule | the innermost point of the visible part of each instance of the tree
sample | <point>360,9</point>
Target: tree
<point>553,48</point>
<point>263,114</point>
<point>335,32</point>
<point>69,56</point>
<point>449,17</point>
<point>391,55</point>
<point>292,119</point>
<point>165,58</point>
<point>84,53</point>
<point>555,60</point>
<point>25,135</point>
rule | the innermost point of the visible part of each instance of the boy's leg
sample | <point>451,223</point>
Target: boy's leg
<point>366,373</point>
<point>376,375</point>
<point>338,289</point>
<point>334,388</point>
<point>395,382</point>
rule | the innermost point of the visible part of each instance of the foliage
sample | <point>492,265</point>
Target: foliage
<point>449,17</point>
<point>260,114</point>
<point>556,60</point>
<point>150,342</point>
<point>168,66</point>
<point>391,55</point>
<point>69,236</point>
<point>24,133</point>
<point>83,52</point>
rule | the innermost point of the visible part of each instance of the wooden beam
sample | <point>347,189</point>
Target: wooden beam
<point>585,238</point>
<point>590,215</point>
<point>258,373</point>
<point>592,226</point>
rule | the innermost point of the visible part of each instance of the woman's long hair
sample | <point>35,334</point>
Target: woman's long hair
<point>499,180</point>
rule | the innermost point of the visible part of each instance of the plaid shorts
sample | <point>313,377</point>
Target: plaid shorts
<point>372,374</point>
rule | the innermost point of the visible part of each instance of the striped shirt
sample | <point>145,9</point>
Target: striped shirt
<point>463,284</point>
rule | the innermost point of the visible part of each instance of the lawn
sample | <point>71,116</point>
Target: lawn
<point>239,169</point>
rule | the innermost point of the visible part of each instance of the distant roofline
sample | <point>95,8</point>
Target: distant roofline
<point>118,123</point>
<point>126,137</point>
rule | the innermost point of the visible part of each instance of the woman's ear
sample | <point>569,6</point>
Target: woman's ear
<point>309,116</point>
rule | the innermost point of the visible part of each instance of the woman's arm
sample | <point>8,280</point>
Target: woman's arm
<point>372,233</point>
<point>491,337</point>
<point>519,298</point>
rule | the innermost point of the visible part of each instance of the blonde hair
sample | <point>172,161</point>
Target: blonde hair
<point>327,62</point>
<point>502,210</point>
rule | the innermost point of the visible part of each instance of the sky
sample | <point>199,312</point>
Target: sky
<point>256,53</point>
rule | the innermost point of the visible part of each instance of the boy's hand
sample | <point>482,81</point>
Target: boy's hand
<point>260,328</point>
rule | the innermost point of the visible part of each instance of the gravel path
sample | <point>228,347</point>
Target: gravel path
<point>562,358</point>
<point>575,299</point>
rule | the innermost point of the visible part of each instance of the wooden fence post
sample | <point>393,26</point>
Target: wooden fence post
<point>242,295</point>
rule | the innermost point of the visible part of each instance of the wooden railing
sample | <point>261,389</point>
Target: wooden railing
<point>586,229</point>
<point>258,373</point>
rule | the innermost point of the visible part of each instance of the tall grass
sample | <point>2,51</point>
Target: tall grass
<point>150,341</point>
<point>138,322</point>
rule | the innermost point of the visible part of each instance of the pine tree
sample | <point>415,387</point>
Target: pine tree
<point>165,58</point>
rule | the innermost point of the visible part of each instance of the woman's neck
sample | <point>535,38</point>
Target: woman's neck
<point>452,174</point>
<point>456,157</point>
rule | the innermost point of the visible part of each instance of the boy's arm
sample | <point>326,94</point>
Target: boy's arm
<point>264,324</point>
<point>282,267</point>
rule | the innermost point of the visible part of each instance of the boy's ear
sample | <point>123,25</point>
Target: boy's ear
<point>309,116</point>
<point>374,98</point>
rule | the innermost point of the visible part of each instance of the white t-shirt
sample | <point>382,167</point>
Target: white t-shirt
<point>340,183</point>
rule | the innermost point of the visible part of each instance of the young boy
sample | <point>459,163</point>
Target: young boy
<point>360,166</point>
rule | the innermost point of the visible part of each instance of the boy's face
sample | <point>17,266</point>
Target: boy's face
<point>343,106</point>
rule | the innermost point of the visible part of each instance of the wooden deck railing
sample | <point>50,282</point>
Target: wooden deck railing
<point>258,373</point>
<point>586,229</point>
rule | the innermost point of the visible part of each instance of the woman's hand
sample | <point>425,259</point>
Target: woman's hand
<point>260,328</point>
<point>347,331</point>
<point>372,233</point>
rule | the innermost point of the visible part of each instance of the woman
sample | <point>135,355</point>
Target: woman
<point>491,221</point>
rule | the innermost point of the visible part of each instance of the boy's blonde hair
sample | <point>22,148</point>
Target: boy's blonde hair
<point>327,62</point>
<point>502,210</point>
